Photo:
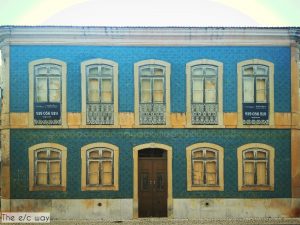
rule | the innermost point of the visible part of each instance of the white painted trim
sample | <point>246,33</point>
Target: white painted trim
<point>143,36</point>
<point>240,65</point>
<point>189,66</point>
<point>137,92</point>
<point>63,65</point>
<point>83,91</point>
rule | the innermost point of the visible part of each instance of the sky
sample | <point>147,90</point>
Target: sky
<point>151,12</point>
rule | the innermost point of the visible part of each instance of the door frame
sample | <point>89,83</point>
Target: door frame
<point>136,150</point>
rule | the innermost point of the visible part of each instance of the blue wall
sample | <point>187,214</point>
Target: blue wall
<point>126,139</point>
<point>127,56</point>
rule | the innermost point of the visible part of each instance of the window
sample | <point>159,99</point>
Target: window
<point>205,167</point>
<point>256,95</point>
<point>47,167</point>
<point>99,167</point>
<point>152,92</point>
<point>204,92</point>
<point>47,87</point>
<point>256,167</point>
<point>99,92</point>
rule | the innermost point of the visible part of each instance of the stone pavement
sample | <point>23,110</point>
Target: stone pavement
<point>156,221</point>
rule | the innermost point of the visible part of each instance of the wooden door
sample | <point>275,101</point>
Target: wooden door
<point>152,187</point>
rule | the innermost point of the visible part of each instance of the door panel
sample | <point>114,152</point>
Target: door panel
<point>152,187</point>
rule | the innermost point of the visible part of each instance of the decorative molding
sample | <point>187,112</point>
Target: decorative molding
<point>185,36</point>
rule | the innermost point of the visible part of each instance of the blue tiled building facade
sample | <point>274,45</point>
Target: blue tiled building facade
<point>231,200</point>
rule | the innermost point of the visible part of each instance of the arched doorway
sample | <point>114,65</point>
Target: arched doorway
<point>152,180</point>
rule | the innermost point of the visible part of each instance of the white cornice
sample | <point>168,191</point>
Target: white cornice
<point>167,36</point>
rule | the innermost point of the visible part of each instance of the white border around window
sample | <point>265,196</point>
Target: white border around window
<point>86,63</point>
<point>63,65</point>
<point>240,94</point>
<point>189,65</point>
<point>137,92</point>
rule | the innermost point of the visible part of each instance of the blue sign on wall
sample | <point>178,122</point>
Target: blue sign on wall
<point>256,111</point>
<point>47,111</point>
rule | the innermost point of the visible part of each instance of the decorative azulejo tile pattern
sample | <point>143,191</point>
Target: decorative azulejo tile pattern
<point>127,56</point>
<point>126,139</point>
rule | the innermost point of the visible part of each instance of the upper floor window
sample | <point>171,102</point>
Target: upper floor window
<point>100,167</point>
<point>100,96</point>
<point>152,101</point>
<point>256,95</point>
<point>47,92</point>
<point>256,167</point>
<point>47,165</point>
<point>204,92</point>
<point>205,167</point>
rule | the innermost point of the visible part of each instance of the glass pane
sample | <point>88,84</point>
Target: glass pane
<point>41,179</point>
<point>261,173</point>
<point>93,90</point>
<point>106,154</point>
<point>261,90</point>
<point>197,154</point>
<point>54,70</point>
<point>248,85</point>
<point>210,71</point>
<point>54,96</point>
<point>158,95</point>
<point>261,155</point>
<point>261,70</point>
<point>249,173</point>
<point>197,90</point>
<point>145,90</point>
<point>41,167</point>
<point>248,70</point>
<point>42,70</point>
<point>54,154</point>
<point>54,173</point>
<point>249,155</point>
<point>106,90</point>
<point>158,71</point>
<point>146,71</point>
<point>41,173</point>
<point>210,154</point>
<point>107,179</point>
<point>93,70</point>
<point>41,89</point>
<point>107,166</point>
<point>198,173</point>
<point>211,173</point>
<point>93,172</point>
<point>94,154</point>
<point>210,90</point>
<point>106,70</point>
<point>197,71</point>
<point>42,154</point>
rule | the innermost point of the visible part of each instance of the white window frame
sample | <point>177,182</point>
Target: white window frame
<point>167,66</point>
<point>114,65</point>
<point>240,66</point>
<point>63,66</point>
<point>189,66</point>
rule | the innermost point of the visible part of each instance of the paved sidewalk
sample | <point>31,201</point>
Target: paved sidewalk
<point>149,221</point>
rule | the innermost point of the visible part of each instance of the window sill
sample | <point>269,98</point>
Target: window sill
<point>205,188</point>
<point>100,188</point>
<point>256,188</point>
<point>48,188</point>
